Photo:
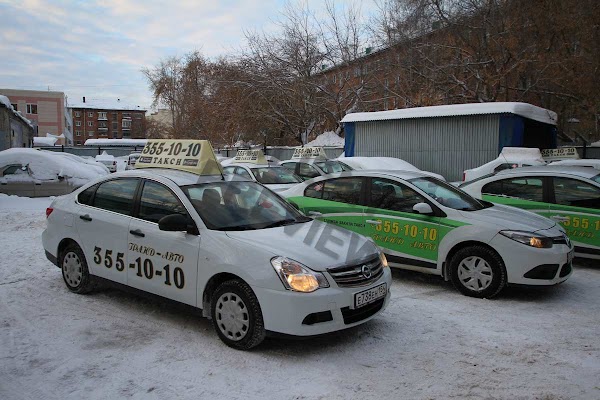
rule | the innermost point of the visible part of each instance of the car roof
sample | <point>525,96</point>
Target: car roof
<point>584,172</point>
<point>180,178</point>
<point>379,173</point>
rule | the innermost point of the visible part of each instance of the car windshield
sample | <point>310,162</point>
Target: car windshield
<point>447,195</point>
<point>239,206</point>
<point>275,175</point>
<point>330,167</point>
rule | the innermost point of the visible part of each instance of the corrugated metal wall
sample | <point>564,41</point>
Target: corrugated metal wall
<point>446,145</point>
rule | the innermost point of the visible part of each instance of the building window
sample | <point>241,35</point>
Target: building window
<point>115,135</point>
<point>77,133</point>
<point>103,124</point>
<point>77,123</point>
<point>14,106</point>
<point>78,142</point>
<point>115,125</point>
<point>126,115</point>
<point>90,133</point>
<point>77,114</point>
<point>126,124</point>
<point>90,114</point>
<point>31,108</point>
<point>90,123</point>
<point>113,115</point>
<point>102,115</point>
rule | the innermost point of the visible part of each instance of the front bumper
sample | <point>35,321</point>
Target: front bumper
<point>526,265</point>
<point>323,311</point>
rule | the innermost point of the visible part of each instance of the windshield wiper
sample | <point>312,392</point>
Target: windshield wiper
<point>280,223</point>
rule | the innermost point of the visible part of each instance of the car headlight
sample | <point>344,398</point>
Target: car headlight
<point>383,260</point>
<point>298,277</point>
<point>529,238</point>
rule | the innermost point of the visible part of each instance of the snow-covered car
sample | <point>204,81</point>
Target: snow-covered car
<point>587,162</point>
<point>253,165</point>
<point>177,228</point>
<point>108,160</point>
<point>131,160</point>
<point>427,225</point>
<point>384,163</point>
<point>89,161</point>
<point>568,195</point>
<point>509,158</point>
<point>310,162</point>
<point>35,173</point>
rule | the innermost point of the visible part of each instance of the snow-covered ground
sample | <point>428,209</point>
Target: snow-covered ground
<point>430,343</point>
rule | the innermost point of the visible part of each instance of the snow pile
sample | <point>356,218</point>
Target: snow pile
<point>514,154</point>
<point>16,203</point>
<point>105,157</point>
<point>89,161</point>
<point>46,165</point>
<point>327,139</point>
<point>44,141</point>
<point>595,144</point>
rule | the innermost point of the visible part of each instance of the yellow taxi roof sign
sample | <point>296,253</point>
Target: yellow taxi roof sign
<point>250,156</point>
<point>309,152</point>
<point>195,156</point>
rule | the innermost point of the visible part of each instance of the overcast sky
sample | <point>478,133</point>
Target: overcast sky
<point>97,48</point>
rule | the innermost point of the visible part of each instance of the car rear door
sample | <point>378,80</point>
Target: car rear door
<point>102,222</point>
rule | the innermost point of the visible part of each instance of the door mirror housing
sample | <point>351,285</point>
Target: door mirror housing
<point>177,223</point>
<point>423,208</point>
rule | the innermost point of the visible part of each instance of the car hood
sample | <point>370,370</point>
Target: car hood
<point>315,244</point>
<point>511,218</point>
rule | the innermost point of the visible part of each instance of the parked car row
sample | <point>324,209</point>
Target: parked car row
<point>318,262</point>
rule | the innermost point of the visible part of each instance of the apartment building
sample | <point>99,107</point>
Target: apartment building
<point>45,110</point>
<point>103,119</point>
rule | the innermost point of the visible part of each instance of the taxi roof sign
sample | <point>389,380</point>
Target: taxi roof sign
<point>251,157</point>
<point>195,156</point>
<point>562,153</point>
<point>309,152</point>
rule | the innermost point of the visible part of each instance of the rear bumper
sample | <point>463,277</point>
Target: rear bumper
<point>51,258</point>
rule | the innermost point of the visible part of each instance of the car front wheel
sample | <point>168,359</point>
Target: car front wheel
<point>478,271</point>
<point>237,316</point>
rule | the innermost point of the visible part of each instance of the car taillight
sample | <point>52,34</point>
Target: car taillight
<point>49,211</point>
<point>464,176</point>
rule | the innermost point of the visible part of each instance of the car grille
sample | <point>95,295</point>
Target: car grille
<point>358,274</point>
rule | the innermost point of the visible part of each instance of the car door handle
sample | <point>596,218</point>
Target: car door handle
<point>373,222</point>
<point>558,218</point>
<point>315,213</point>
<point>137,232</point>
<point>86,217</point>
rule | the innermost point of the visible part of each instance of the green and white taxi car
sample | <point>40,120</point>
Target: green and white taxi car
<point>427,225</point>
<point>232,248</point>
<point>568,195</point>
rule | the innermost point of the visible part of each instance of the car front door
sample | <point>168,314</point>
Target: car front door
<point>408,239</point>
<point>102,221</point>
<point>162,262</point>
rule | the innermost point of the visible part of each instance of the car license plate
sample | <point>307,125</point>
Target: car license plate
<point>570,256</point>
<point>370,295</point>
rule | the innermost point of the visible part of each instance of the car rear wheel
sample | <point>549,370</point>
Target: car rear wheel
<point>478,271</point>
<point>74,269</point>
<point>237,316</point>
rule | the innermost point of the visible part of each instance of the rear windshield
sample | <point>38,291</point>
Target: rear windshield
<point>275,175</point>
<point>330,167</point>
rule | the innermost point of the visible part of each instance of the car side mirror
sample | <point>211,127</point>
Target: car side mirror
<point>423,208</point>
<point>177,223</point>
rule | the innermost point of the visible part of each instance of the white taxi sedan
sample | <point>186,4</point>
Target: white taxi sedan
<point>232,248</point>
<point>426,225</point>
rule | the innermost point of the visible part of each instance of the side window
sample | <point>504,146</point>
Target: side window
<point>522,188</point>
<point>158,201</point>
<point>315,190</point>
<point>116,195</point>
<point>229,170</point>
<point>394,196</point>
<point>289,165</point>
<point>573,192</point>
<point>242,172</point>
<point>344,190</point>
<point>87,196</point>
<point>504,166</point>
<point>13,169</point>
<point>307,171</point>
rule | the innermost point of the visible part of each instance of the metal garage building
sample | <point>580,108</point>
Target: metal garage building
<point>449,139</point>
